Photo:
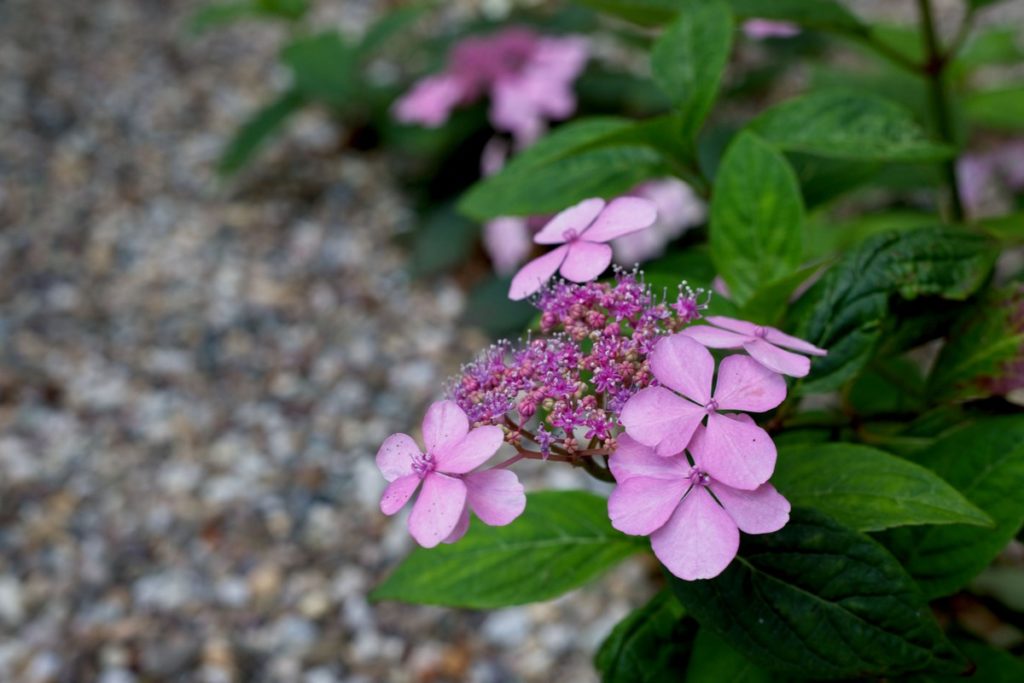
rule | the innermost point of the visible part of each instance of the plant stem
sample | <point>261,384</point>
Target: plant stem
<point>935,70</point>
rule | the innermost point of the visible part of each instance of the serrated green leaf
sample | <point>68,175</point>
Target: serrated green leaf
<point>254,133</point>
<point>561,541</point>
<point>818,600</point>
<point>714,661</point>
<point>651,645</point>
<point>868,489</point>
<point>985,462</point>
<point>1002,108</point>
<point>847,124</point>
<point>688,60</point>
<point>756,217</point>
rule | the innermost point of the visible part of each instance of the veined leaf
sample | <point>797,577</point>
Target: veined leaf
<point>651,645</point>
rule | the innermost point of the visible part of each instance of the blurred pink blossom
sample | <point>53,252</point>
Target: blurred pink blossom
<point>759,29</point>
<point>679,208</point>
<point>982,175</point>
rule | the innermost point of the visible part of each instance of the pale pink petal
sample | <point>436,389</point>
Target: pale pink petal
<point>431,100</point>
<point>714,338</point>
<point>734,325</point>
<point>470,451</point>
<point>445,423</point>
<point>699,540</point>
<point>658,418</point>
<point>760,511</point>
<point>496,496</point>
<point>683,364</point>
<point>437,510</point>
<point>575,219</point>
<point>640,506</point>
<point>736,453</point>
<point>622,217</point>
<point>790,342</point>
<point>461,527</point>
<point>745,384</point>
<point>585,260</point>
<point>398,493</point>
<point>536,273</point>
<point>759,29</point>
<point>778,360</point>
<point>507,241</point>
<point>395,456</point>
<point>633,459</point>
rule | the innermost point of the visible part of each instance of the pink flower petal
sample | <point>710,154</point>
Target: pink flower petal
<point>790,342</point>
<point>745,384</point>
<point>496,496</point>
<point>714,338</point>
<point>585,260</point>
<point>431,100</point>
<point>461,527</point>
<point>734,325</point>
<point>640,506</point>
<point>760,511</point>
<point>470,451</point>
<point>683,364</point>
<point>622,216</point>
<point>445,423</point>
<point>633,459</point>
<point>736,453</point>
<point>507,242</point>
<point>437,511</point>
<point>699,540</point>
<point>576,218</point>
<point>395,456</point>
<point>398,493</point>
<point>536,273</point>
<point>658,418</point>
<point>778,360</point>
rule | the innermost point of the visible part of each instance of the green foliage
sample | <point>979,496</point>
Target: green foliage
<point>220,14</point>
<point>818,14</point>
<point>322,66</point>
<point>560,542</point>
<point>714,661</point>
<point>819,600</point>
<point>651,645</point>
<point>257,130</point>
<point>1002,108</point>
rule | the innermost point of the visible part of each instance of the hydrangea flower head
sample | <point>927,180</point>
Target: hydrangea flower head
<point>694,535</point>
<point>450,488</point>
<point>665,418</point>
<point>764,344</point>
<point>582,233</point>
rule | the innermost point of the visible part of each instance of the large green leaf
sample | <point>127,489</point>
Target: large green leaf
<point>645,12</point>
<point>868,489</point>
<point>985,462</point>
<point>1003,108</point>
<point>819,600</point>
<point>714,661</point>
<point>756,217</point>
<point>651,645</point>
<point>323,66</point>
<point>847,307</point>
<point>561,541</point>
<point>254,133</point>
<point>689,59</point>
<point>848,124</point>
<point>991,666</point>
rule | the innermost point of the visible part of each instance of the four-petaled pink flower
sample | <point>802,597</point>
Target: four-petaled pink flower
<point>739,453</point>
<point>582,231</point>
<point>671,501</point>
<point>441,513</point>
<point>762,343</point>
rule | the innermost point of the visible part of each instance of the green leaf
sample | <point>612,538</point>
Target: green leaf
<point>890,384</point>
<point>997,45</point>
<point>868,489</point>
<point>252,135</point>
<point>490,309</point>
<point>562,541</point>
<point>756,217</point>
<point>714,661</point>
<point>689,59</point>
<point>323,67</point>
<point>847,124</point>
<point>443,240</point>
<point>821,14</point>
<point>992,666</point>
<point>643,12</point>
<point>982,348</point>
<point>848,306</point>
<point>985,462</point>
<point>391,24</point>
<point>220,14</point>
<point>1002,109</point>
<point>818,600</point>
<point>651,645</point>
<point>768,304</point>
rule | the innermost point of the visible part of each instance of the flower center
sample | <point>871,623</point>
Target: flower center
<point>423,464</point>
<point>699,477</point>
<point>711,406</point>
<point>760,332</point>
<point>570,234</point>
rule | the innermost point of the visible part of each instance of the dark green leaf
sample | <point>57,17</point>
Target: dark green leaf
<point>651,645</point>
<point>323,67</point>
<point>1002,109</point>
<point>868,489</point>
<point>985,462</point>
<point>563,540</point>
<point>490,309</point>
<point>255,132</point>
<point>821,14</point>
<point>714,661</point>
<point>768,304</point>
<point>689,58</point>
<point>890,384</point>
<point>847,124</point>
<point>756,217</point>
<point>644,12</point>
<point>819,600</point>
<point>993,666</point>
<point>445,239</point>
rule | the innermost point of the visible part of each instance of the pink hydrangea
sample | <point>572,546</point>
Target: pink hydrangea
<point>760,29</point>
<point>529,78</point>
<point>679,208</point>
<point>582,231</point>
<point>450,487</point>
<point>665,418</point>
<point>694,535</point>
<point>766,345</point>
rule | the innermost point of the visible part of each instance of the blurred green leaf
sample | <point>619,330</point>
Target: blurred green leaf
<point>251,136</point>
<point>714,661</point>
<point>643,12</point>
<point>443,240</point>
<point>820,14</point>
<point>651,645</point>
<point>324,68</point>
<point>220,14</point>
<point>890,384</point>
<point>1002,109</point>
<point>769,302</point>
<point>490,309</point>
<point>995,45</point>
<point>385,29</point>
